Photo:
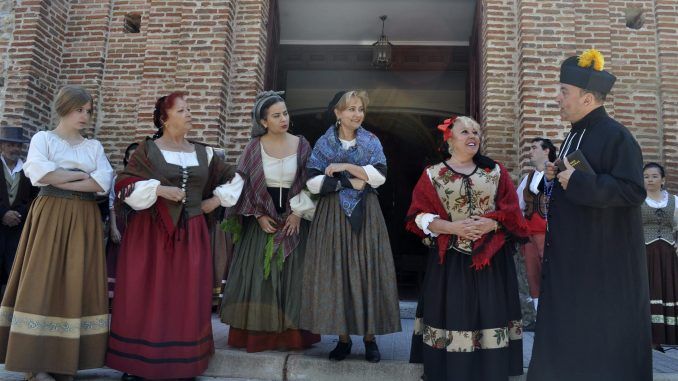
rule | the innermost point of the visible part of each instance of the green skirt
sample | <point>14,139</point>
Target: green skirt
<point>253,303</point>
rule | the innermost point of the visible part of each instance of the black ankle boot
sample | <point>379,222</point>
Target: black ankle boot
<point>341,351</point>
<point>372,351</point>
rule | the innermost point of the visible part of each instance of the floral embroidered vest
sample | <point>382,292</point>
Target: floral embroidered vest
<point>463,196</point>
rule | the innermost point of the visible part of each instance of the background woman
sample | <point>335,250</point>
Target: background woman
<point>660,221</point>
<point>468,323</point>
<point>262,298</point>
<point>118,222</point>
<point>349,276</point>
<point>54,316</point>
<point>161,321</point>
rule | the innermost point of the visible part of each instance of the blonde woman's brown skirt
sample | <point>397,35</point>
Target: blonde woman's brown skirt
<point>54,314</point>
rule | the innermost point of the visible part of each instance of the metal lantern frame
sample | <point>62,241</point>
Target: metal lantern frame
<point>382,49</point>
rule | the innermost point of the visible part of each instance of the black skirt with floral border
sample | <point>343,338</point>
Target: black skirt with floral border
<point>468,323</point>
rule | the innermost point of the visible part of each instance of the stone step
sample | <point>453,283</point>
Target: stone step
<point>236,365</point>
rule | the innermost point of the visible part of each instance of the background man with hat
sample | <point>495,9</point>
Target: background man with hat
<point>594,313</point>
<point>16,195</point>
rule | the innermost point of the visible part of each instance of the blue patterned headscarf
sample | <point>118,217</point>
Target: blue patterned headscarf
<point>328,150</point>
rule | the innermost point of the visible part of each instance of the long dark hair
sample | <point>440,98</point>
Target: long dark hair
<point>128,152</point>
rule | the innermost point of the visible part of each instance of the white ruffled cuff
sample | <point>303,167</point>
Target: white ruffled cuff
<point>374,177</point>
<point>423,220</point>
<point>144,194</point>
<point>315,184</point>
<point>302,205</point>
<point>229,193</point>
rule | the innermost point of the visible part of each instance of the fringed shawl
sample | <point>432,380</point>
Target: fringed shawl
<point>255,199</point>
<point>328,150</point>
<point>167,213</point>
<point>425,200</point>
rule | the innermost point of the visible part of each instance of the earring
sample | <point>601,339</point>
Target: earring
<point>450,150</point>
<point>338,122</point>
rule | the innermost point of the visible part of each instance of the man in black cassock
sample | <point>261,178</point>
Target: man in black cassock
<point>594,311</point>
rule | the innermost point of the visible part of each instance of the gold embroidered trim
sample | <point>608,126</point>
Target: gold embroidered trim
<point>37,325</point>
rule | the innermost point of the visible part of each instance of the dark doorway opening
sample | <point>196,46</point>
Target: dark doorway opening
<point>425,85</point>
<point>410,143</point>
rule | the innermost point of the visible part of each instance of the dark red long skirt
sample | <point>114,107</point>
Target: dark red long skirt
<point>161,320</point>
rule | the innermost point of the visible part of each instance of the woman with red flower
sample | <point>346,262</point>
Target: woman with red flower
<point>468,324</point>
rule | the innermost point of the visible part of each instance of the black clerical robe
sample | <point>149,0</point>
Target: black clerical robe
<point>593,321</point>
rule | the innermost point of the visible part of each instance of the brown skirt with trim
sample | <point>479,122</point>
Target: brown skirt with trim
<point>54,315</point>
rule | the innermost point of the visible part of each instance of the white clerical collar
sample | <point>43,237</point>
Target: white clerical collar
<point>17,168</point>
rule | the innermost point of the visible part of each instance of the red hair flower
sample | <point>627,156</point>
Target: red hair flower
<point>446,127</point>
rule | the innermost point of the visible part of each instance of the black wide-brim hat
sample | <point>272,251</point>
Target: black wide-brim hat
<point>12,134</point>
<point>586,72</point>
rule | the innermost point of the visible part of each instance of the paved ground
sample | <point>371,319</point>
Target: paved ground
<point>395,349</point>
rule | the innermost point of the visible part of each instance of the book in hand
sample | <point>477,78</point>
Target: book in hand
<point>578,161</point>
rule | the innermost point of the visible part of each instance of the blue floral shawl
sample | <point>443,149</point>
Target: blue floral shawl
<point>328,150</point>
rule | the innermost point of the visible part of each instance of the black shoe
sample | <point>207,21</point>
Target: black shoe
<point>372,351</point>
<point>129,377</point>
<point>341,351</point>
<point>659,348</point>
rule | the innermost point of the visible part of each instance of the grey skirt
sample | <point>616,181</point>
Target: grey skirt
<point>253,303</point>
<point>349,278</point>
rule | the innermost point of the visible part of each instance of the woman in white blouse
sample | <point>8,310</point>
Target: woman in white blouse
<point>54,315</point>
<point>161,318</point>
<point>660,221</point>
<point>262,297</point>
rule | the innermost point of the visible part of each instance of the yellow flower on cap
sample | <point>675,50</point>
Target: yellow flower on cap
<point>592,57</point>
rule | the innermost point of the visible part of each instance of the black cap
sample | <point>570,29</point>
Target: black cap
<point>12,134</point>
<point>576,73</point>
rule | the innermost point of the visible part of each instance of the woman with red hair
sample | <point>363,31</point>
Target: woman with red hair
<point>468,321</point>
<point>161,320</point>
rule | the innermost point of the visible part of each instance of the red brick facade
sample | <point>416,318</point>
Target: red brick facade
<point>524,43</point>
<point>216,51</point>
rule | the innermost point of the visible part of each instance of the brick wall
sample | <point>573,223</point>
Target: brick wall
<point>215,50</point>
<point>645,61</point>
<point>6,33</point>
<point>246,75</point>
<point>35,59</point>
<point>666,15</point>
<point>499,77</point>
<point>119,103</point>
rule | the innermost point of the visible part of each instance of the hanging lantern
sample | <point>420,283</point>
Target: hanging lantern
<point>381,50</point>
